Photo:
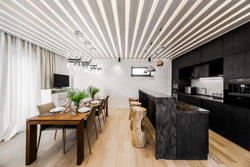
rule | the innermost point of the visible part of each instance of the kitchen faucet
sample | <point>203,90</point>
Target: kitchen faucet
<point>205,90</point>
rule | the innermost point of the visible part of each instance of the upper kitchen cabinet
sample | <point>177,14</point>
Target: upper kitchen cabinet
<point>175,70</point>
<point>247,62</point>
<point>234,66</point>
<point>212,50</point>
<point>183,61</point>
<point>247,31</point>
<point>194,56</point>
<point>201,71</point>
<point>236,41</point>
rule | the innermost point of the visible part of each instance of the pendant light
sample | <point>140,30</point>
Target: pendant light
<point>150,68</point>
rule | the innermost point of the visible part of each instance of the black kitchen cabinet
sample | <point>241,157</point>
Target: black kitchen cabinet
<point>201,71</point>
<point>191,100</point>
<point>175,71</point>
<point>247,64</point>
<point>234,66</point>
<point>235,41</point>
<point>238,125</point>
<point>186,73</point>
<point>212,50</point>
<point>216,68</point>
<point>194,57</point>
<point>183,61</point>
<point>217,115</point>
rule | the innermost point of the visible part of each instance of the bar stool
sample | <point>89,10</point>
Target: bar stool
<point>133,103</point>
<point>139,135</point>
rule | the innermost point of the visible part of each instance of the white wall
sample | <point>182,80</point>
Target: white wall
<point>212,85</point>
<point>115,80</point>
<point>61,65</point>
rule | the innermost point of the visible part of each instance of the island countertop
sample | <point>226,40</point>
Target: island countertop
<point>154,94</point>
<point>188,108</point>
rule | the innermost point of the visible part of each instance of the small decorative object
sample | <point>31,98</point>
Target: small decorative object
<point>76,96</point>
<point>92,91</point>
<point>159,63</point>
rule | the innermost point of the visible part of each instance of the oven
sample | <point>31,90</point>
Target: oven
<point>237,92</point>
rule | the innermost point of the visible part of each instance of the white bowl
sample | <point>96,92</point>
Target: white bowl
<point>84,109</point>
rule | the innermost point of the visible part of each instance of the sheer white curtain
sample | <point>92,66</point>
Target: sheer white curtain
<point>20,70</point>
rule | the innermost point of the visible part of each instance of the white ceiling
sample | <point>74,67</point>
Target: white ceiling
<point>122,28</point>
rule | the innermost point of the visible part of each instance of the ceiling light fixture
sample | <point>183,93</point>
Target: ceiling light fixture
<point>150,68</point>
<point>81,60</point>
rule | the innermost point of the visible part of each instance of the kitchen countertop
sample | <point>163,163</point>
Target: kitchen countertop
<point>153,93</point>
<point>204,97</point>
<point>188,108</point>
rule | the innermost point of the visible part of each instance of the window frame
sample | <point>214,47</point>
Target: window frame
<point>133,75</point>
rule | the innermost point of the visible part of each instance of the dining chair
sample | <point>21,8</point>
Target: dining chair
<point>87,125</point>
<point>42,109</point>
<point>105,107</point>
<point>99,112</point>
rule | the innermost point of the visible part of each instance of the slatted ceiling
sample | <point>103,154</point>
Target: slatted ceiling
<point>122,28</point>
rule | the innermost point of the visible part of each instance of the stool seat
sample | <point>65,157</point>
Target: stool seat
<point>133,103</point>
<point>133,99</point>
<point>138,137</point>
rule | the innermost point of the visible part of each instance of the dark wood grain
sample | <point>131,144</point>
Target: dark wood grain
<point>31,138</point>
<point>80,142</point>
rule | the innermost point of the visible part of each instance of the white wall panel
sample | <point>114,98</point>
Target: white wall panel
<point>115,79</point>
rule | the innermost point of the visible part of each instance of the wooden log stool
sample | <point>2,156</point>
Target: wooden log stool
<point>138,137</point>
<point>133,103</point>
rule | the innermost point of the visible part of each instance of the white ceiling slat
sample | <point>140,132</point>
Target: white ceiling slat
<point>122,28</point>
<point>178,9</point>
<point>157,24</point>
<point>32,23</point>
<point>108,19</point>
<point>138,19</point>
<point>117,27</point>
<point>197,25</point>
<point>230,23</point>
<point>46,16</point>
<point>223,14</point>
<point>149,18</point>
<point>101,32</point>
<point>91,29</point>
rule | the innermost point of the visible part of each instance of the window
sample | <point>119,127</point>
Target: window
<point>138,71</point>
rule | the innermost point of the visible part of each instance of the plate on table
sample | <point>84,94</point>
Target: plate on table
<point>57,109</point>
<point>101,98</point>
<point>95,102</point>
<point>84,109</point>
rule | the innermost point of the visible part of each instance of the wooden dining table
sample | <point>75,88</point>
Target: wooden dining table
<point>65,118</point>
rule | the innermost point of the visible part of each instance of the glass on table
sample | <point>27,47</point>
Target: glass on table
<point>73,106</point>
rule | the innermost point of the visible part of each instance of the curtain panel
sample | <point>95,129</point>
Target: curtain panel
<point>21,65</point>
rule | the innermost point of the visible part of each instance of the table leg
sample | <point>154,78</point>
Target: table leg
<point>80,142</point>
<point>31,139</point>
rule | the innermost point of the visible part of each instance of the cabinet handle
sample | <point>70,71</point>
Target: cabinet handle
<point>238,97</point>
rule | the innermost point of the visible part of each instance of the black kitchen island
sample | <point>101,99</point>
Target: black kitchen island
<point>181,129</point>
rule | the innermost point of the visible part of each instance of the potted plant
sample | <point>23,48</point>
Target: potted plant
<point>76,95</point>
<point>92,91</point>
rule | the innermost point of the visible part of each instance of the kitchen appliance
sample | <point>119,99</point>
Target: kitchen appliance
<point>237,92</point>
<point>217,95</point>
<point>190,90</point>
<point>175,90</point>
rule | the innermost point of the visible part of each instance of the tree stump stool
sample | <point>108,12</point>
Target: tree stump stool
<point>138,137</point>
<point>133,103</point>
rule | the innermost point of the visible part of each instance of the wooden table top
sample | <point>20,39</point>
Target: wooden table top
<point>63,116</point>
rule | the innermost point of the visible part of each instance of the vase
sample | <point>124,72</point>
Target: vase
<point>76,103</point>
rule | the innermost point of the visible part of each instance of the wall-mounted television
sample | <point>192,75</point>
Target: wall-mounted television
<point>61,81</point>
